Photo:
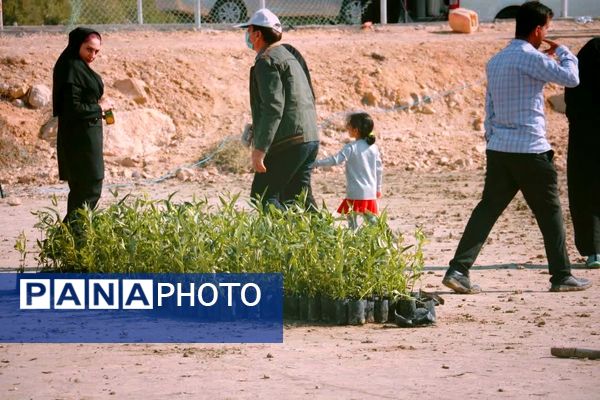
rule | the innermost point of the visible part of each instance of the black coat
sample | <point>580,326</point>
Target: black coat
<point>583,101</point>
<point>75,95</point>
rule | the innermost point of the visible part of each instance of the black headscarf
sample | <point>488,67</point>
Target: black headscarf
<point>583,101</point>
<point>63,65</point>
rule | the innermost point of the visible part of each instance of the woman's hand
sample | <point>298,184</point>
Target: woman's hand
<point>105,103</point>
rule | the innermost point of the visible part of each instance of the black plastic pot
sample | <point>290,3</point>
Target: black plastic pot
<point>406,307</point>
<point>356,312</point>
<point>381,311</point>
<point>327,309</point>
<point>290,307</point>
<point>370,311</point>
<point>314,308</point>
<point>392,309</point>
<point>415,312</point>
<point>341,312</point>
<point>303,307</point>
<point>429,306</point>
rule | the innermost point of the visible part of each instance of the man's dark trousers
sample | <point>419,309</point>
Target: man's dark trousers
<point>288,174</point>
<point>507,173</point>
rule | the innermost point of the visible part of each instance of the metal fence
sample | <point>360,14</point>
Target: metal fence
<point>226,12</point>
<point>184,12</point>
<point>197,12</point>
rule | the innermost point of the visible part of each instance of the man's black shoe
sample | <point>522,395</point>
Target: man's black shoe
<point>570,284</point>
<point>460,283</point>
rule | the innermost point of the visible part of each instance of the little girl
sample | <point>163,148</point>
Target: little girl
<point>363,170</point>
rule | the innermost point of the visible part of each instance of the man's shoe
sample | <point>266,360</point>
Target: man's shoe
<point>570,284</point>
<point>460,283</point>
<point>593,261</point>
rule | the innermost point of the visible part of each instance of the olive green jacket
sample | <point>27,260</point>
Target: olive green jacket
<point>281,99</point>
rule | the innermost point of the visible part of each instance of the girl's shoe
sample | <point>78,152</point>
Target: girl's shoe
<point>593,261</point>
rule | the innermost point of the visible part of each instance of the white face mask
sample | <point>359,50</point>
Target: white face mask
<point>248,42</point>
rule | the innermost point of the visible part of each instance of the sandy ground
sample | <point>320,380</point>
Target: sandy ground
<point>495,344</point>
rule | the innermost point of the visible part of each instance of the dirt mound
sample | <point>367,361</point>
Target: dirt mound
<point>200,81</point>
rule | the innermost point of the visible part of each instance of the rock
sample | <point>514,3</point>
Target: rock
<point>49,130</point>
<point>377,56</point>
<point>136,89</point>
<point>127,162</point>
<point>18,91</point>
<point>184,174</point>
<point>480,148</point>
<point>416,101</point>
<point>18,103</point>
<point>41,175</point>
<point>454,100</point>
<point>370,99</point>
<point>478,124</point>
<point>404,104</point>
<point>14,201</point>
<point>212,171</point>
<point>25,179</point>
<point>427,109</point>
<point>136,175</point>
<point>4,88</point>
<point>138,135</point>
<point>558,103</point>
<point>39,96</point>
<point>367,26</point>
<point>461,163</point>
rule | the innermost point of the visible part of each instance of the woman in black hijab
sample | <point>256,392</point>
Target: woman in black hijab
<point>76,95</point>
<point>583,162</point>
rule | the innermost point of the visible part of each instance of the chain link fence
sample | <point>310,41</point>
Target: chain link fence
<point>227,12</point>
<point>186,12</point>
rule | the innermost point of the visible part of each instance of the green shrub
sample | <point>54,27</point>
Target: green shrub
<point>315,251</point>
<point>36,12</point>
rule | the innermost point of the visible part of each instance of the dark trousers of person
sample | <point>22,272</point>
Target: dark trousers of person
<point>288,175</point>
<point>583,175</point>
<point>82,193</point>
<point>507,173</point>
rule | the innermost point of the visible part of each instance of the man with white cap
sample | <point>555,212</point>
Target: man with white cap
<point>284,118</point>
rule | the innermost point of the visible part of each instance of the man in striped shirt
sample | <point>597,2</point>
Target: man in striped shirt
<point>519,156</point>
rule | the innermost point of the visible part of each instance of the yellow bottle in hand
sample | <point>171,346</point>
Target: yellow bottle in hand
<point>109,116</point>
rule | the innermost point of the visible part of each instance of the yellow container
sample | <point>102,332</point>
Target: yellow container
<point>109,116</point>
<point>463,20</point>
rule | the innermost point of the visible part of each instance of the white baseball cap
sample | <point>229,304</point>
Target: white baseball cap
<point>263,17</point>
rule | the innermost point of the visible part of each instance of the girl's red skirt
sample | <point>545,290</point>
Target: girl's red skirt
<point>358,206</point>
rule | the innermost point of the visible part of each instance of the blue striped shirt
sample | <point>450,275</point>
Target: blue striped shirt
<point>514,106</point>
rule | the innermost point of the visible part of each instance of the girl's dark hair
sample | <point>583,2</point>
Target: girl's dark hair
<point>531,15</point>
<point>364,124</point>
<point>270,35</point>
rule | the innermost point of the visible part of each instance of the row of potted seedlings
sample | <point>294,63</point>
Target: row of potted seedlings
<point>331,273</point>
